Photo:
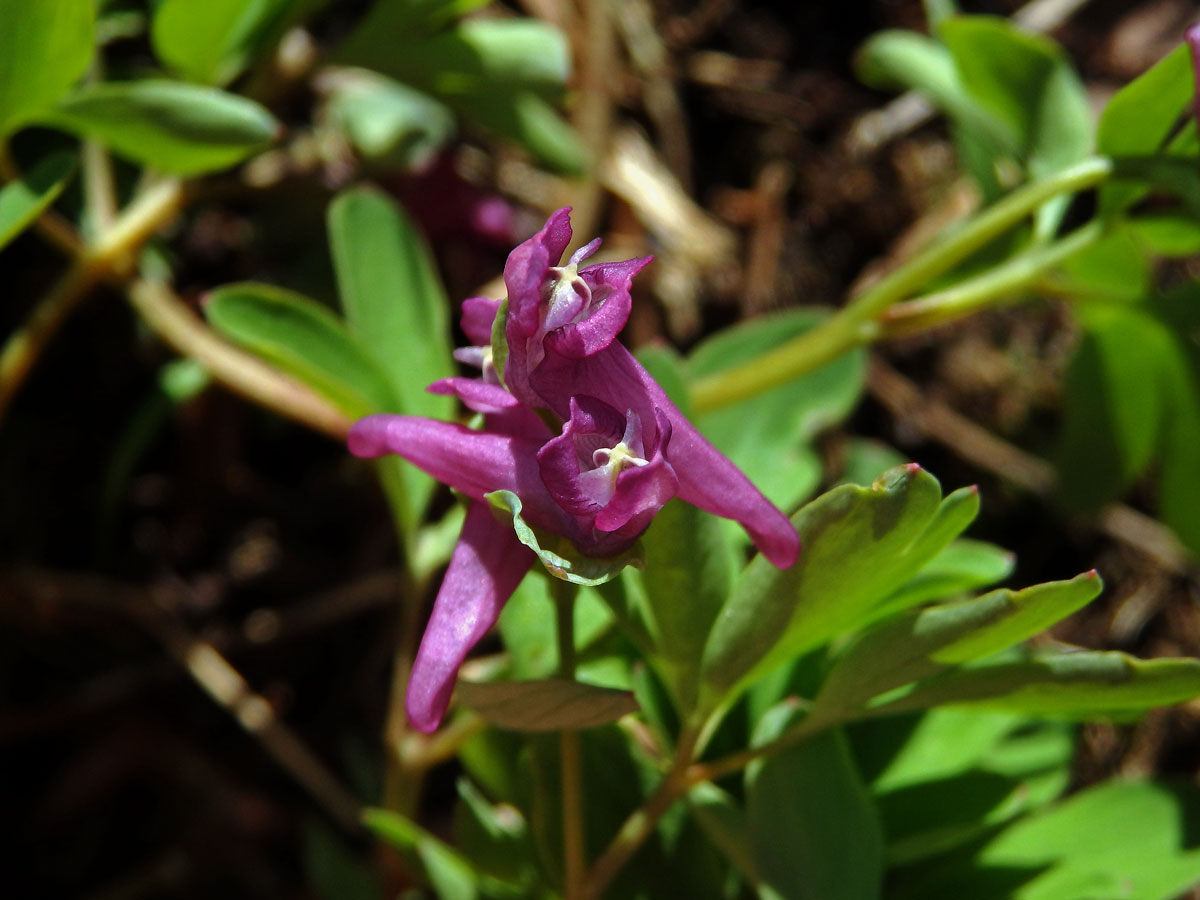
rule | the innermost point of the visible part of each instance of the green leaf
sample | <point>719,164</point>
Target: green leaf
<point>962,566</point>
<point>395,304</point>
<point>690,566</point>
<point>472,58</point>
<point>688,574</point>
<point>1179,471</point>
<point>392,296</point>
<point>554,704</point>
<point>858,544</point>
<point>814,831</point>
<point>449,873</point>
<point>211,42</point>
<point>560,557</point>
<point>769,436</point>
<point>1166,234</point>
<point>1114,404</point>
<point>1026,81</point>
<point>527,626</point>
<point>23,200</point>
<point>724,822</point>
<point>938,10</point>
<point>501,74</point>
<point>942,743</point>
<point>1115,269</point>
<point>1141,116</point>
<point>1084,684</point>
<point>183,129</point>
<point>1084,848</point>
<point>45,46</point>
<point>495,838</point>
<point>905,59</point>
<point>530,121</point>
<point>388,121</point>
<point>998,620</point>
<point>305,340</point>
<point>919,644</point>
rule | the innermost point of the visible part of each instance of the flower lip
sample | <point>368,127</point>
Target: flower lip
<point>603,470</point>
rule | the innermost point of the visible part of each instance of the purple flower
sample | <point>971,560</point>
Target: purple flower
<point>623,451</point>
<point>562,330</point>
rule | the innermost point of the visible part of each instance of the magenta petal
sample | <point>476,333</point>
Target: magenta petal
<point>526,269</point>
<point>558,460</point>
<point>641,492</point>
<point>472,462</point>
<point>478,314</point>
<point>488,564</point>
<point>601,328</point>
<point>475,394</point>
<point>707,478</point>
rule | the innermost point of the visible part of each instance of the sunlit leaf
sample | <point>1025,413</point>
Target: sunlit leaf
<point>918,644</point>
<point>212,41</point>
<point>45,46</point>
<point>858,544</point>
<point>305,340</point>
<point>1085,684</point>
<point>180,128</point>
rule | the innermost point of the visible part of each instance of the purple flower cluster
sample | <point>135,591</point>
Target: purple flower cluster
<point>623,451</point>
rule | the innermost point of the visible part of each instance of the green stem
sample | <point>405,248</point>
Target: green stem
<point>727,765</point>
<point>574,859</point>
<point>1020,272</point>
<point>111,255</point>
<point>856,324</point>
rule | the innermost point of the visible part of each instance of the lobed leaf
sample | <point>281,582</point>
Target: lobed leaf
<point>858,544</point>
<point>690,564</point>
<point>473,57</point>
<point>905,59</point>
<point>1084,684</point>
<point>1140,117</point>
<point>392,296</point>
<point>1129,839</point>
<point>919,644</point>
<point>179,128</point>
<point>389,121</point>
<point>964,565</point>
